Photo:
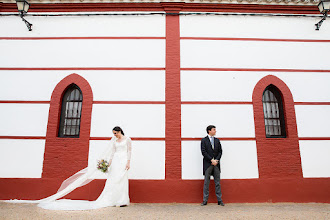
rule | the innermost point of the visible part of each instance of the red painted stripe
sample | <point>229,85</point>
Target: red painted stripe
<point>244,103</point>
<point>22,137</point>
<point>129,102</point>
<point>87,7</point>
<point>94,102</point>
<point>222,139</point>
<point>163,38</point>
<point>166,6</point>
<point>249,8</point>
<point>163,139</point>
<point>255,39</point>
<point>24,102</point>
<point>82,68</point>
<point>254,70</point>
<point>253,139</point>
<point>91,138</point>
<point>312,103</point>
<point>314,138</point>
<point>133,138</point>
<point>147,139</point>
<point>161,68</point>
<point>217,103</point>
<point>82,38</point>
<point>161,102</point>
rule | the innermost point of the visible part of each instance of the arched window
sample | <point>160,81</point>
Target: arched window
<point>277,157</point>
<point>71,112</point>
<point>58,155</point>
<point>273,112</point>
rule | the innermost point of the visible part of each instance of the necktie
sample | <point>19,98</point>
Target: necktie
<point>212,142</point>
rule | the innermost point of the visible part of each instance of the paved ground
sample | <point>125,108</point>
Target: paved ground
<point>317,211</point>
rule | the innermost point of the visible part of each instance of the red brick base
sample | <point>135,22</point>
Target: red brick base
<point>183,191</point>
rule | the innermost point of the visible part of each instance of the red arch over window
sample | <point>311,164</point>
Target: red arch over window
<point>65,156</point>
<point>277,157</point>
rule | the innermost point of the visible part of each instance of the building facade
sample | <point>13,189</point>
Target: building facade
<point>163,71</point>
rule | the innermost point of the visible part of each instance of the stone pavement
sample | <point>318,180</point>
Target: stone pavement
<point>317,211</point>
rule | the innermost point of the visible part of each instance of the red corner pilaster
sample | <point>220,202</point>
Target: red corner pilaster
<point>172,92</point>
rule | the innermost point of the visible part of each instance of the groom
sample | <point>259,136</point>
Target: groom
<point>212,151</point>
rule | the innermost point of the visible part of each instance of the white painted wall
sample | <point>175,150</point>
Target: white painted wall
<point>83,53</point>
<point>116,85</point>
<point>230,120</point>
<point>253,27</point>
<point>142,85</point>
<point>150,85</point>
<point>137,120</point>
<point>147,161</point>
<point>21,158</point>
<point>85,26</point>
<point>238,161</point>
<point>23,119</point>
<point>29,85</point>
<point>254,54</point>
<point>239,86</point>
<point>313,120</point>
<point>315,157</point>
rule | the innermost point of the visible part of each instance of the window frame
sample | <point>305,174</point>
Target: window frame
<point>64,109</point>
<point>280,106</point>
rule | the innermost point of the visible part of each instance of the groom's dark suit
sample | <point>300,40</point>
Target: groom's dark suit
<point>209,153</point>
<point>208,169</point>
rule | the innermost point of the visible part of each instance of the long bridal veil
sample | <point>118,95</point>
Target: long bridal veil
<point>78,179</point>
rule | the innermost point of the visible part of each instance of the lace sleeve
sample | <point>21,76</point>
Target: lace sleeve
<point>129,149</point>
<point>113,149</point>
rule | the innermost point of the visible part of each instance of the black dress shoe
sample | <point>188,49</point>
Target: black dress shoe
<point>123,205</point>
<point>203,203</point>
<point>221,203</point>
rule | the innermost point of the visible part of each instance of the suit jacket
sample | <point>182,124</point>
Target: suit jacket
<point>209,153</point>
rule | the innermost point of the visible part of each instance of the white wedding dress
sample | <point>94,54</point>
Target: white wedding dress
<point>115,191</point>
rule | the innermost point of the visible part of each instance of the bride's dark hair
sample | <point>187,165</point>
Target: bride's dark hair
<point>117,128</point>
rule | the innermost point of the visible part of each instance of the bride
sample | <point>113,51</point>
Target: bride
<point>115,191</point>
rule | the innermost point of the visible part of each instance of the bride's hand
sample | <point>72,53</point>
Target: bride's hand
<point>127,166</point>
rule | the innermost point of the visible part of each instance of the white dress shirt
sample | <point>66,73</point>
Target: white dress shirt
<point>210,137</point>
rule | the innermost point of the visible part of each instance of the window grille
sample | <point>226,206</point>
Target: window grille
<point>273,112</point>
<point>71,112</point>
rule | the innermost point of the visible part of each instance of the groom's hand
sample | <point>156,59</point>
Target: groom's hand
<point>214,162</point>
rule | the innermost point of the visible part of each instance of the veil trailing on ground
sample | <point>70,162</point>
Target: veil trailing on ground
<point>78,179</point>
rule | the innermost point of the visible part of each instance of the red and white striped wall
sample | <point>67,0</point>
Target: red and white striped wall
<point>163,79</point>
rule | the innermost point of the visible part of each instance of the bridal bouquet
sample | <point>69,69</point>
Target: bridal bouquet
<point>103,165</point>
